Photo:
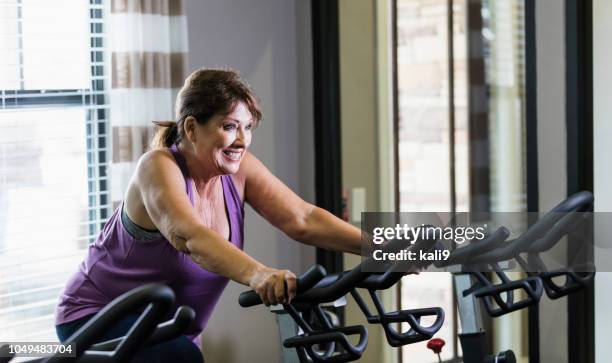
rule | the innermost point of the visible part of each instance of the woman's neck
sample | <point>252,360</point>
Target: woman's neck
<point>204,179</point>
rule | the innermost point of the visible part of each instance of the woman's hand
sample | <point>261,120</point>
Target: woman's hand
<point>274,286</point>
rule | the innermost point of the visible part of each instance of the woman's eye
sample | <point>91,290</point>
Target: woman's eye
<point>249,127</point>
<point>229,127</point>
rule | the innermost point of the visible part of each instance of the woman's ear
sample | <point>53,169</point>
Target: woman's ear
<point>189,128</point>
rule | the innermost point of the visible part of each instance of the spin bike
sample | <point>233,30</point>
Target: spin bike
<point>471,283</point>
<point>155,301</point>
<point>309,335</point>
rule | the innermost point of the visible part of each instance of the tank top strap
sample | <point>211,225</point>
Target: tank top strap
<point>182,163</point>
<point>235,209</point>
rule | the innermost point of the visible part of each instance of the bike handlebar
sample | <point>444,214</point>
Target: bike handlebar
<point>307,280</point>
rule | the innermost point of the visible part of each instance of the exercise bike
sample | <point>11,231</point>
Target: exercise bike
<point>471,283</point>
<point>155,301</point>
<point>323,342</point>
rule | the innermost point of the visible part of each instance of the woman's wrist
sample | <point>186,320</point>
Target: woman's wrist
<point>251,272</point>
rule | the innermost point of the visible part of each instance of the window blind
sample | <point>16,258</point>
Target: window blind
<point>54,149</point>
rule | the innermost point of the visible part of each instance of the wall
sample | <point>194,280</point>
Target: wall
<point>359,96</point>
<point>268,41</point>
<point>602,129</point>
<point>550,39</point>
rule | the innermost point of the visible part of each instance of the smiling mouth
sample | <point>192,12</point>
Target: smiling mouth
<point>232,155</point>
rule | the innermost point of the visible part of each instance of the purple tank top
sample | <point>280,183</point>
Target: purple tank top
<point>117,263</point>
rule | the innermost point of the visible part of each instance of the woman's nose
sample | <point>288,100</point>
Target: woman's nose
<point>240,137</point>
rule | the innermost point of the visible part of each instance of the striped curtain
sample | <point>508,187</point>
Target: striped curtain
<point>148,44</point>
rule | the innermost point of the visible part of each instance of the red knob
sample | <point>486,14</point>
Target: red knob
<point>436,345</point>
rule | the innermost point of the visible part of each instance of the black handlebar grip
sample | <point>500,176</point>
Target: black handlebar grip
<point>307,280</point>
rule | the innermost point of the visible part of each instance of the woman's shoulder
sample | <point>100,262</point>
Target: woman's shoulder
<point>253,173</point>
<point>251,168</point>
<point>154,158</point>
<point>155,155</point>
<point>156,162</point>
<point>247,167</point>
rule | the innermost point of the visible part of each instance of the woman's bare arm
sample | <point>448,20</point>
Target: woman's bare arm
<point>162,189</point>
<point>299,219</point>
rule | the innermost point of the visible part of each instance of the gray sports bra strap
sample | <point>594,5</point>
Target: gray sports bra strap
<point>137,232</point>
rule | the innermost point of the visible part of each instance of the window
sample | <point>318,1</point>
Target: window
<point>53,154</point>
<point>461,126</point>
<point>424,143</point>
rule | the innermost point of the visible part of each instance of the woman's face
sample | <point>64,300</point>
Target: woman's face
<point>220,144</point>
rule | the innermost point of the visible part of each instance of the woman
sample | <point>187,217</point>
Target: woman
<point>182,219</point>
